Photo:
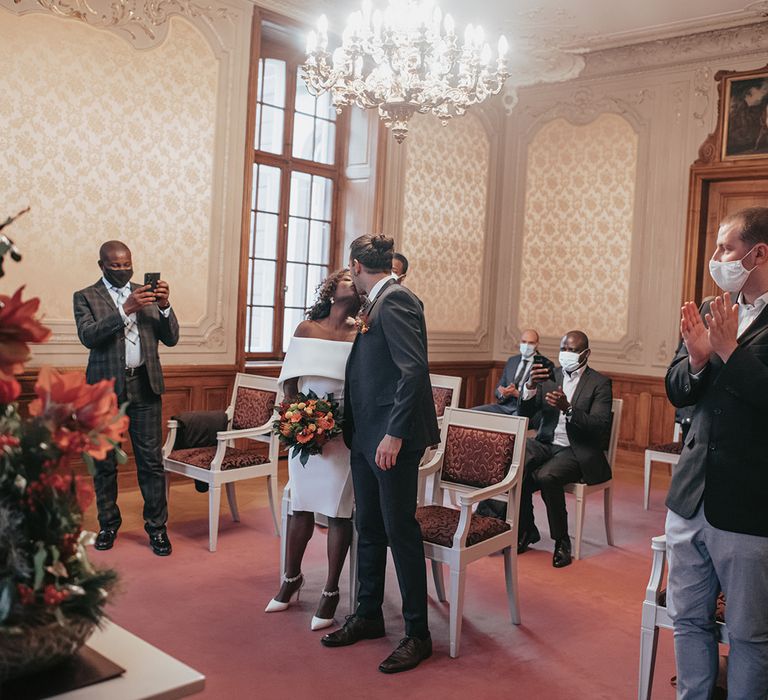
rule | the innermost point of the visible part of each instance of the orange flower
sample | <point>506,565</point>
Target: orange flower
<point>303,437</point>
<point>84,416</point>
<point>18,327</point>
<point>325,422</point>
<point>295,417</point>
<point>285,429</point>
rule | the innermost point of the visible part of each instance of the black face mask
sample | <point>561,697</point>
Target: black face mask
<point>118,278</point>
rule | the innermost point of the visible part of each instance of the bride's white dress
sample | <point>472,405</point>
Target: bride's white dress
<point>324,485</point>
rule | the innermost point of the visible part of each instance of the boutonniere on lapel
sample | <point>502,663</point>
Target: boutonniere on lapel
<point>362,323</point>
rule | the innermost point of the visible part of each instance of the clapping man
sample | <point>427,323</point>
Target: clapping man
<point>575,404</point>
<point>717,523</point>
<point>121,324</point>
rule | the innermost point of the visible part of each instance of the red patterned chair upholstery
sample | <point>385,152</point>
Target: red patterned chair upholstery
<point>250,415</point>
<point>480,456</point>
<point>445,392</point>
<point>667,453</point>
<point>655,616</point>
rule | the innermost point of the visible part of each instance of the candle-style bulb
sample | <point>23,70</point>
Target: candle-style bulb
<point>503,46</point>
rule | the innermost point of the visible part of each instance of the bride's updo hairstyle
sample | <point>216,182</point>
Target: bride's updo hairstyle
<point>325,292</point>
<point>373,251</point>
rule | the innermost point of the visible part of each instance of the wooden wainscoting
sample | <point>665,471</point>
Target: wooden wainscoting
<point>648,417</point>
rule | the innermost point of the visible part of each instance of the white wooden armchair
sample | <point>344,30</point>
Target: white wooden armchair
<point>666,453</point>
<point>655,616</point>
<point>582,490</point>
<point>480,456</point>
<point>445,393</point>
<point>250,415</point>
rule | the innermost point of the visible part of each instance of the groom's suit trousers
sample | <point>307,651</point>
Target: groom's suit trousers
<point>385,514</point>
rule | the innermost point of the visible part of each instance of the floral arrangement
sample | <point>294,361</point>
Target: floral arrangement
<point>306,423</point>
<point>45,574</point>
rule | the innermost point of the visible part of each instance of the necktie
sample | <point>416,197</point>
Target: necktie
<point>521,373</point>
<point>131,330</point>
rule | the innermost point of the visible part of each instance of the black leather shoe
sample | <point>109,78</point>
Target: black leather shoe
<point>562,555</point>
<point>201,486</point>
<point>526,538</point>
<point>105,539</point>
<point>160,543</point>
<point>355,628</point>
<point>409,654</point>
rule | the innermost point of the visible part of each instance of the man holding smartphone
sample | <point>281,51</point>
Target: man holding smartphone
<point>121,324</point>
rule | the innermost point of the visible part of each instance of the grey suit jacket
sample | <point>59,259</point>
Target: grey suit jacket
<point>588,429</point>
<point>387,389</point>
<point>725,454</point>
<point>100,328</point>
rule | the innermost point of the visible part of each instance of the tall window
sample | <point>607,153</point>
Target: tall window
<point>294,195</point>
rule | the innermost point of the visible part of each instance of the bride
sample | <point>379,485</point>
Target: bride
<point>316,360</point>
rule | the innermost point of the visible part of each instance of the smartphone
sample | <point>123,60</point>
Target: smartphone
<point>151,278</point>
<point>541,360</point>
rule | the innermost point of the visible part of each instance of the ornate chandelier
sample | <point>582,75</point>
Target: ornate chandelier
<point>402,61</point>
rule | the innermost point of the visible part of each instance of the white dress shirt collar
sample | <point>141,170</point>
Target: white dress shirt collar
<point>111,286</point>
<point>377,288</point>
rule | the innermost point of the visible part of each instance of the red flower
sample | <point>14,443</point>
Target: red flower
<point>9,388</point>
<point>84,416</point>
<point>84,493</point>
<point>26,594</point>
<point>18,327</point>
<point>53,596</point>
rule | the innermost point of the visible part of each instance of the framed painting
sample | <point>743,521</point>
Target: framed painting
<point>745,116</point>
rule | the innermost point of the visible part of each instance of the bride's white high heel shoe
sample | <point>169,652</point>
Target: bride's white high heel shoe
<point>319,623</point>
<point>279,606</point>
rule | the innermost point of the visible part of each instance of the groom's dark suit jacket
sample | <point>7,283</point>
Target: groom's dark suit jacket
<point>590,426</point>
<point>387,389</point>
<point>725,454</point>
<point>100,328</point>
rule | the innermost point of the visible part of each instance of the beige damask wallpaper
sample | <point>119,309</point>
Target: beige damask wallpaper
<point>577,235</point>
<point>104,141</point>
<point>444,219</point>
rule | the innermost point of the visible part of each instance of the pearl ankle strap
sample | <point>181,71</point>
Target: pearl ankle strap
<point>330,594</point>
<point>285,579</point>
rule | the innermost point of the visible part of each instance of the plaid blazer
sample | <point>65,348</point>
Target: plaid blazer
<point>100,328</point>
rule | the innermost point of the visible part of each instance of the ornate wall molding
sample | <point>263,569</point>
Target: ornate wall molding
<point>142,23</point>
<point>225,26</point>
<point>719,45</point>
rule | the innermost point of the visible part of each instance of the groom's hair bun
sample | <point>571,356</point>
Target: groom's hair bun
<point>373,251</point>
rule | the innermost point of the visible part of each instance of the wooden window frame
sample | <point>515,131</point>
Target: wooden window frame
<point>262,47</point>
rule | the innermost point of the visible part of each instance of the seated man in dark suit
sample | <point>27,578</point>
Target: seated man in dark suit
<point>516,373</point>
<point>575,405</point>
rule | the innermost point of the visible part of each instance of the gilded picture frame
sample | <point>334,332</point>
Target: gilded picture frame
<point>745,116</point>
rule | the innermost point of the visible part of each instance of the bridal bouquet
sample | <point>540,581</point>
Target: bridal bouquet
<point>306,424</point>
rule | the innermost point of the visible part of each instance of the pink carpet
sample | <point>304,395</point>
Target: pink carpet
<point>579,637</point>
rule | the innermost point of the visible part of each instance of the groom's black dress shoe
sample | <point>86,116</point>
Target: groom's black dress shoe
<point>160,543</point>
<point>526,538</point>
<point>562,555</point>
<point>105,539</point>
<point>354,629</point>
<point>409,654</point>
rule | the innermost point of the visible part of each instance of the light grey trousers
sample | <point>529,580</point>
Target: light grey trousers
<point>702,561</point>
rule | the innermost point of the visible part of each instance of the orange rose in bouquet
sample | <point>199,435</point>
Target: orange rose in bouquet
<point>306,423</point>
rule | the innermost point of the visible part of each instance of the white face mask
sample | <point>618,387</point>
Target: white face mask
<point>527,350</point>
<point>569,361</point>
<point>730,276</point>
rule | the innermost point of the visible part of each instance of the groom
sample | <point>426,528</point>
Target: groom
<point>389,420</point>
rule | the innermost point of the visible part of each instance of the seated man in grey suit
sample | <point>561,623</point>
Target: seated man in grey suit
<point>516,373</point>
